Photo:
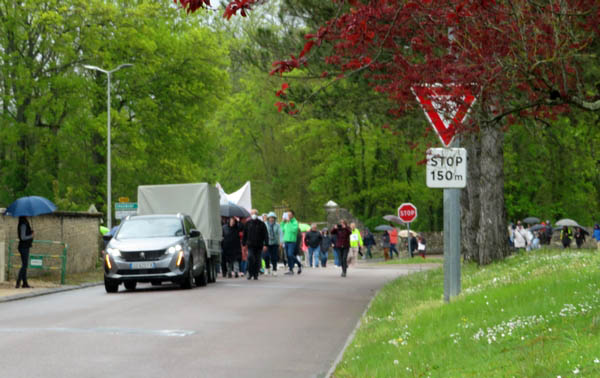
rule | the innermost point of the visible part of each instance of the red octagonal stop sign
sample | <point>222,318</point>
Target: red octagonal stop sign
<point>407,212</point>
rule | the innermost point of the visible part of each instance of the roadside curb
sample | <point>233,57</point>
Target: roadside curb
<point>351,336</point>
<point>49,291</point>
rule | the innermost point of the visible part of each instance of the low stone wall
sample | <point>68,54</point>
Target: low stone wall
<point>80,231</point>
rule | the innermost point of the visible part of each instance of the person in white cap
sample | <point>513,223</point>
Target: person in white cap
<point>271,255</point>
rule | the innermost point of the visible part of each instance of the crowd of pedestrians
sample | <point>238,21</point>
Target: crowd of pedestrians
<point>256,245</point>
<point>530,238</point>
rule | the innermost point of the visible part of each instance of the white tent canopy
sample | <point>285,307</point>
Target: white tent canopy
<point>242,197</point>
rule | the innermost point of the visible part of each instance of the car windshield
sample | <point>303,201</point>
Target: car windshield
<point>150,228</point>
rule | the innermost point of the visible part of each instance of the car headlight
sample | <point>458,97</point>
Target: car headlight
<point>113,251</point>
<point>174,249</point>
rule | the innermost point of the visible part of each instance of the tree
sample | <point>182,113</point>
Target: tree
<point>522,58</point>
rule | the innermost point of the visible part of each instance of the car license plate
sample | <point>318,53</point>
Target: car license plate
<point>141,265</point>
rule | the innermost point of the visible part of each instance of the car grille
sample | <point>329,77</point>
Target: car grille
<point>143,271</point>
<point>142,255</point>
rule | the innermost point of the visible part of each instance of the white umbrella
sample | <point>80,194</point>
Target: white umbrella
<point>404,233</point>
<point>567,222</point>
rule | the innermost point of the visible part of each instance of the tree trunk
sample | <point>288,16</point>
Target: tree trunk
<point>469,200</point>
<point>492,238</point>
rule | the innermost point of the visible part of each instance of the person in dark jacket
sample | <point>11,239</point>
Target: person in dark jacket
<point>25,233</point>
<point>232,247</point>
<point>313,239</point>
<point>579,237</point>
<point>342,233</point>
<point>413,245</point>
<point>369,242</point>
<point>565,236</point>
<point>256,237</point>
<point>326,243</point>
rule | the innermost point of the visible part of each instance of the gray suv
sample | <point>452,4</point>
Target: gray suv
<point>155,248</point>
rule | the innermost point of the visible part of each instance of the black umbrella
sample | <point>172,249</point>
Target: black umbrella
<point>393,218</point>
<point>384,227</point>
<point>230,209</point>
<point>531,220</point>
<point>537,227</point>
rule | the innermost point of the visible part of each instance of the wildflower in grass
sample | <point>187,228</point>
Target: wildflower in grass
<point>576,371</point>
<point>396,362</point>
<point>597,361</point>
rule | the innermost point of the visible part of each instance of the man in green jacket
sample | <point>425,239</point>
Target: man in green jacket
<point>289,226</point>
<point>355,243</point>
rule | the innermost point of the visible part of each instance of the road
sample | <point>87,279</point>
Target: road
<point>284,326</point>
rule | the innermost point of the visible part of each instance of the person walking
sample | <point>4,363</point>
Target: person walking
<point>421,245</point>
<point>385,243</point>
<point>271,256</point>
<point>336,251</point>
<point>579,237</point>
<point>355,243</point>
<point>369,243</point>
<point>342,232</point>
<point>393,242</point>
<point>413,245</point>
<point>324,247</point>
<point>289,226</point>
<point>25,233</point>
<point>313,239</point>
<point>565,237</point>
<point>519,237</point>
<point>232,247</point>
<point>256,238</point>
<point>596,235</point>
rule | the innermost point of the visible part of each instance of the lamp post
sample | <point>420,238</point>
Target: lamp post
<point>108,181</point>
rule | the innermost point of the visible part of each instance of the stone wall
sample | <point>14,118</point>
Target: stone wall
<point>80,231</point>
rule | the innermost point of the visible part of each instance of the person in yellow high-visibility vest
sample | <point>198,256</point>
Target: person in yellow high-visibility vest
<point>355,243</point>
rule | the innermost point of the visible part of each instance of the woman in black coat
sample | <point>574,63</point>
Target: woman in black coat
<point>232,247</point>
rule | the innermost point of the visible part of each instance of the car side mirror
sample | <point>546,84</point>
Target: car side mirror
<point>107,237</point>
<point>194,233</point>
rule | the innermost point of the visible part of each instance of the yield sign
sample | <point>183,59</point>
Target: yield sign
<point>446,107</point>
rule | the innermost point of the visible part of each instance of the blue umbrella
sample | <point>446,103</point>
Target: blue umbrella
<point>30,206</point>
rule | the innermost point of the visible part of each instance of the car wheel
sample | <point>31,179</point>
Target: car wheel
<point>202,279</point>
<point>111,286</point>
<point>188,277</point>
<point>130,285</point>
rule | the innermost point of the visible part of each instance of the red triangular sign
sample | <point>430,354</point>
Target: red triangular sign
<point>444,119</point>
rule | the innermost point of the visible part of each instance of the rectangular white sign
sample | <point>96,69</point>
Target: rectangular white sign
<point>446,168</point>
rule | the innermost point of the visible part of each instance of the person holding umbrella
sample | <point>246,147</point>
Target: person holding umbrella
<point>22,208</point>
<point>25,241</point>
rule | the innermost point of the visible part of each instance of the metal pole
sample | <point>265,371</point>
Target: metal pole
<point>108,178</point>
<point>452,284</point>
<point>408,237</point>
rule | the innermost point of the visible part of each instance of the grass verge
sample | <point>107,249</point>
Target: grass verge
<point>532,315</point>
<point>415,260</point>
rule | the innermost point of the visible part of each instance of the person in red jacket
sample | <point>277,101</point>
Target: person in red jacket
<point>342,232</point>
<point>393,242</point>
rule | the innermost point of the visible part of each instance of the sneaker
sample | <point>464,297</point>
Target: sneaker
<point>343,274</point>
<point>274,273</point>
<point>299,270</point>
<point>255,277</point>
<point>241,274</point>
<point>236,275</point>
<point>269,271</point>
<point>249,277</point>
<point>289,273</point>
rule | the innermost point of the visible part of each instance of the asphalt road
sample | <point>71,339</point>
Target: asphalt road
<point>284,326</point>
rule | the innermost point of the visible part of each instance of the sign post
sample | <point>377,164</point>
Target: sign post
<point>446,107</point>
<point>407,212</point>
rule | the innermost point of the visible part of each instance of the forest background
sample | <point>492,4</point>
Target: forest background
<point>198,105</point>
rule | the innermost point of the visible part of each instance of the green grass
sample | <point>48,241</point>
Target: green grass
<point>532,315</point>
<point>414,260</point>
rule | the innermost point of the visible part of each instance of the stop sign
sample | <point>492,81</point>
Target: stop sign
<point>407,212</point>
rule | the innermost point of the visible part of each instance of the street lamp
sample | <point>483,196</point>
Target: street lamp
<point>108,182</point>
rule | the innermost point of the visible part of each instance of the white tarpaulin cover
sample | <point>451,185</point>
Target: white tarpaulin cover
<point>241,197</point>
<point>200,201</point>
